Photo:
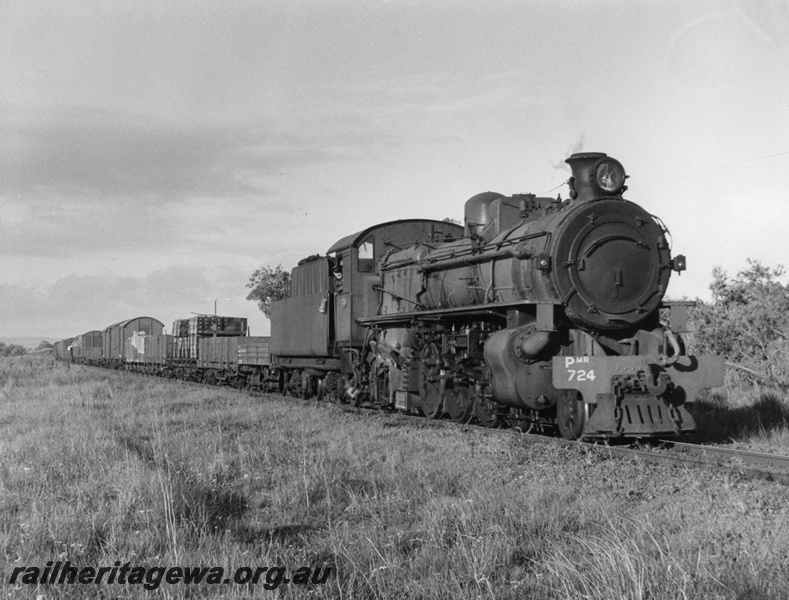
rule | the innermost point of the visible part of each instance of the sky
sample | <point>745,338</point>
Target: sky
<point>154,153</point>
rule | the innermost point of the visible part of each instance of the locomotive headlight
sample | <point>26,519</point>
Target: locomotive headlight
<point>609,176</point>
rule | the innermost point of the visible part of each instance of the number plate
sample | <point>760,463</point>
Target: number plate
<point>591,375</point>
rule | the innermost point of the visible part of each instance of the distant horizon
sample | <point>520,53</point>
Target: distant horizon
<point>25,341</point>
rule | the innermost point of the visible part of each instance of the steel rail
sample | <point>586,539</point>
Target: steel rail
<point>736,456</point>
<point>750,465</point>
<point>702,460</point>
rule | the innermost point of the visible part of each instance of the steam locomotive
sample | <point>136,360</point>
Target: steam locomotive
<point>538,313</point>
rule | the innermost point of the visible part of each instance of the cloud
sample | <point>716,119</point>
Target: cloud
<point>78,153</point>
<point>78,181</point>
<point>83,154</point>
<point>78,303</point>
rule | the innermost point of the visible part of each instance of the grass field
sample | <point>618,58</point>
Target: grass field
<point>98,467</point>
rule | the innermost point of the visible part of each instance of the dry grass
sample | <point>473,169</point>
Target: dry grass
<point>753,418</point>
<point>102,466</point>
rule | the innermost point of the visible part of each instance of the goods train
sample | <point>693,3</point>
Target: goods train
<point>538,313</point>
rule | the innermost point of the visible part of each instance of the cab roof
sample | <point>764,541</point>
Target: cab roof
<point>358,237</point>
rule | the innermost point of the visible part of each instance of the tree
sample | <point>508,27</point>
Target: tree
<point>44,345</point>
<point>747,322</point>
<point>268,285</point>
<point>12,349</point>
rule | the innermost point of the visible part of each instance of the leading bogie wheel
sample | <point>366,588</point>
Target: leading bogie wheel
<point>486,413</point>
<point>571,414</point>
<point>519,419</point>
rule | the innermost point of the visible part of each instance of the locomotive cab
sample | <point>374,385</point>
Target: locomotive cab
<point>315,332</point>
<point>357,255</point>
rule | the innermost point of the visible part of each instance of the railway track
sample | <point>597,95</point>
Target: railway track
<point>760,465</point>
<point>750,465</point>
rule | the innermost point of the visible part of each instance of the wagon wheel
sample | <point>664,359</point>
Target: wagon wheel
<point>485,412</point>
<point>210,378</point>
<point>327,389</point>
<point>571,414</point>
<point>458,403</point>
<point>295,383</point>
<point>264,380</point>
<point>306,389</point>
<point>429,385</point>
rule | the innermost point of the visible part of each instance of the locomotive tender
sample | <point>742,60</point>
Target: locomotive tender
<point>537,313</point>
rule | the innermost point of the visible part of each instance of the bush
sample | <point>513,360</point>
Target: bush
<point>747,322</point>
<point>12,349</point>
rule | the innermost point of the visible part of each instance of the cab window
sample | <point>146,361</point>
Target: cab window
<point>366,252</point>
<point>336,271</point>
